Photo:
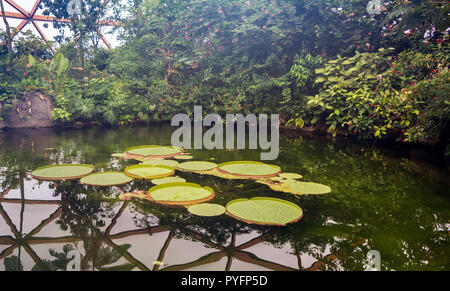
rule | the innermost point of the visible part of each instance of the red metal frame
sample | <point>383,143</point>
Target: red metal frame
<point>32,17</point>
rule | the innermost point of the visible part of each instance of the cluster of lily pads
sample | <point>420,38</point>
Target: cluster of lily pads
<point>159,164</point>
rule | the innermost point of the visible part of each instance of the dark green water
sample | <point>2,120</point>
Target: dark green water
<point>395,202</point>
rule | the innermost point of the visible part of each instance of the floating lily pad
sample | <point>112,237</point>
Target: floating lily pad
<point>308,188</point>
<point>166,180</point>
<point>183,157</point>
<point>206,209</point>
<point>62,172</point>
<point>197,166</point>
<point>290,176</point>
<point>106,179</point>
<point>180,194</point>
<point>249,169</point>
<point>154,151</point>
<point>149,171</point>
<point>264,210</point>
<point>170,163</point>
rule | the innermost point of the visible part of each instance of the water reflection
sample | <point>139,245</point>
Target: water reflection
<point>381,200</point>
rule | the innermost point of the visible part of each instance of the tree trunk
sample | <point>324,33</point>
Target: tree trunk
<point>8,35</point>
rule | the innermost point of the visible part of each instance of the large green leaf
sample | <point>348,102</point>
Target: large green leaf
<point>206,209</point>
<point>249,169</point>
<point>149,171</point>
<point>106,179</point>
<point>308,188</point>
<point>197,166</point>
<point>62,172</point>
<point>180,194</point>
<point>264,210</point>
<point>154,151</point>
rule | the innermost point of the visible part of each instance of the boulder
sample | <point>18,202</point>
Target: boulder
<point>32,111</point>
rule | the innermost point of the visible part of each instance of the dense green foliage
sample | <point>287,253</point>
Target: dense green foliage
<point>314,62</point>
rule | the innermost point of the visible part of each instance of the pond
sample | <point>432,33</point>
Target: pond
<point>390,200</point>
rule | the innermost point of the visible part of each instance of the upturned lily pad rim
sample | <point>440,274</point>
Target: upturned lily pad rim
<point>211,164</point>
<point>249,176</point>
<point>107,185</point>
<point>200,205</point>
<point>182,203</point>
<point>128,173</point>
<point>262,198</point>
<point>47,178</point>
<point>127,151</point>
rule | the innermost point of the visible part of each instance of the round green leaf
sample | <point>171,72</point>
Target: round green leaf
<point>206,209</point>
<point>62,172</point>
<point>154,151</point>
<point>148,171</point>
<point>166,180</point>
<point>249,169</point>
<point>197,166</point>
<point>264,210</point>
<point>106,179</point>
<point>290,176</point>
<point>180,194</point>
<point>183,157</point>
<point>308,188</point>
<point>170,163</point>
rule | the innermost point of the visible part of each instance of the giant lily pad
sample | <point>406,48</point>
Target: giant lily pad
<point>249,169</point>
<point>149,171</point>
<point>62,172</point>
<point>170,163</point>
<point>166,180</point>
<point>180,194</point>
<point>154,151</point>
<point>106,179</point>
<point>308,188</point>
<point>197,166</point>
<point>264,210</point>
<point>206,209</point>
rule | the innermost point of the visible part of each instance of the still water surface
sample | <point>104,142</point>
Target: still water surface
<point>385,200</point>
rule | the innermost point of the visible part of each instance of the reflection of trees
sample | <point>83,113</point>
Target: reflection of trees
<point>372,206</point>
